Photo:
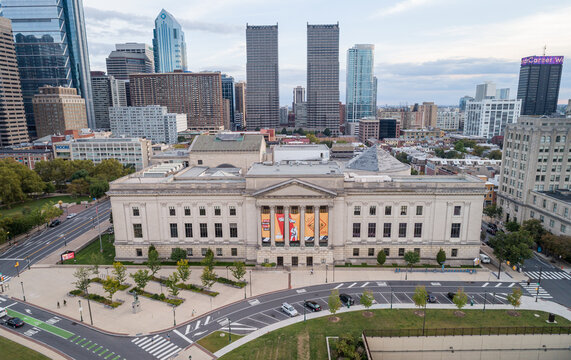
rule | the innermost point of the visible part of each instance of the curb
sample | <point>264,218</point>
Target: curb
<point>37,342</point>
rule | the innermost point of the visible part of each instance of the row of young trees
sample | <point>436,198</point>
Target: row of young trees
<point>411,257</point>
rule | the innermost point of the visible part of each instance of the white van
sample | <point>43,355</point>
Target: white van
<point>485,259</point>
<point>3,312</point>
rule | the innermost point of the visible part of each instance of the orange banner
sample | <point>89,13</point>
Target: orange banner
<point>323,223</point>
<point>309,234</point>
<point>294,227</point>
<point>266,228</point>
<point>279,227</point>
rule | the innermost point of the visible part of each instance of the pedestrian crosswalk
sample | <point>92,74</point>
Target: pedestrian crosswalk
<point>553,275</point>
<point>532,289</point>
<point>158,346</point>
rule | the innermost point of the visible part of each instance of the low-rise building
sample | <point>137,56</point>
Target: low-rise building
<point>152,122</point>
<point>314,152</point>
<point>368,128</point>
<point>28,157</point>
<point>421,134</point>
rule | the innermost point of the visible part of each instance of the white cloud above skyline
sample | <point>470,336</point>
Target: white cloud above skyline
<point>426,50</point>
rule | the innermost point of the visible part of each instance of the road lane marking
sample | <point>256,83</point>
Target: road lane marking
<point>197,325</point>
<point>41,325</point>
<point>207,320</point>
<point>87,343</point>
<point>350,286</point>
<point>187,330</point>
<point>512,284</point>
<point>103,352</point>
<point>381,283</point>
<point>498,285</point>
<point>435,284</point>
<point>301,291</point>
<point>164,350</point>
<point>365,284</point>
<point>486,284</point>
<point>168,355</point>
<point>338,286</point>
<point>182,336</point>
<point>109,355</point>
<point>253,302</point>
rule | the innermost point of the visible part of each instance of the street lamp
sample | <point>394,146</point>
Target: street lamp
<point>250,283</point>
<point>326,268</point>
<point>23,294</point>
<point>80,311</point>
<point>391,298</point>
<point>174,315</point>
<point>89,306</point>
<point>304,318</point>
<point>485,296</point>
<point>424,319</point>
<point>229,331</point>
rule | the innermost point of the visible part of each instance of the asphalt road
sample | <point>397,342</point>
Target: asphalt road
<point>554,281</point>
<point>41,244</point>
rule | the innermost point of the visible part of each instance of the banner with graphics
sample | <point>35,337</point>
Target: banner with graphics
<point>323,223</point>
<point>266,228</point>
<point>309,233</point>
<point>279,224</point>
<point>294,227</point>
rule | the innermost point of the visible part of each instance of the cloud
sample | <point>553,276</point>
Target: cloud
<point>401,6</point>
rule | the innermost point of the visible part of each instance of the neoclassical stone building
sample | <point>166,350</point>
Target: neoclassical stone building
<point>295,214</point>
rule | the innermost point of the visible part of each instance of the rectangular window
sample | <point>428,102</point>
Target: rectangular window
<point>551,223</point>
<point>372,230</point>
<point>563,228</point>
<point>356,229</point>
<point>372,210</point>
<point>218,251</point>
<point>455,230</point>
<point>202,211</point>
<point>454,253</point>
<point>203,251</point>
<point>371,251</point>
<point>419,210</point>
<point>355,251</point>
<point>387,230</point>
<point>357,210</point>
<point>566,212</point>
<point>217,211</point>
<point>188,252</point>
<point>457,210</point>
<point>233,230</point>
<point>172,211</point>
<point>402,230</point>
<point>174,230</point>
<point>203,230</point>
<point>387,251</point>
<point>403,210</point>
<point>388,210</point>
<point>232,211</point>
<point>187,211</point>
<point>554,207</point>
<point>417,230</point>
<point>234,251</point>
<point>401,251</point>
<point>139,252</point>
<point>218,230</point>
<point>136,211</point>
<point>138,230</point>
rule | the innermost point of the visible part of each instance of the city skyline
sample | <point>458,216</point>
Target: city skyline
<point>443,60</point>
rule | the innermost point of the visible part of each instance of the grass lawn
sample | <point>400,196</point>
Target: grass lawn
<point>307,341</point>
<point>35,204</point>
<point>14,351</point>
<point>83,257</point>
<point>217,340</point>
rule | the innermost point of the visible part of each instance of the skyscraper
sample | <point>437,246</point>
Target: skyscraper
<point>487,90</point>
<point>12,117</point>
<point>169,44</point>
<point>262,73</point>
<point>298,96</point>
<point>58,109</point>
<point>107,92</point>
<point>360,86</point>
<point>539,81</point>
<point>323,77</point>
<point>51,48</point>
<point>228,94</point>
<point>463,101</point>
<point>130,58</point>
<point>240,114</point>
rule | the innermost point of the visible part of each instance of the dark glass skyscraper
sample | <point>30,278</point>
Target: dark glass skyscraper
<point>539,81</point>
<point>228,93</point>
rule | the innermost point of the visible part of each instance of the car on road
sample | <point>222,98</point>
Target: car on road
<point>71,216</point>
<point>14,322</point>
<point>491,228</point>
<point>430,298</point>
<point>289,310</point>
<point>55,223</point>
<point>485,259</point>
<point>451,295</point>
<point>346,299</point>
<point>312,305</point>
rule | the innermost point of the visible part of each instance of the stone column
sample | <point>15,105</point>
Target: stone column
<point>272,226</point>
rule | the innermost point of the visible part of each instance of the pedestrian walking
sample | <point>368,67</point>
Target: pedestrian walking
<point>169,337</point>
<point>58,304</point>
<point>64,302</point>
<point>193,312</point>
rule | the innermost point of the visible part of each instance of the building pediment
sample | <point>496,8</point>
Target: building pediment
<point>294,188</point>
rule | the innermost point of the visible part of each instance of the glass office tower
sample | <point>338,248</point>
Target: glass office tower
<point>228,93</point>
<point>361,85</point>
<point>539,81</point>
<point>169,44</point>
<point>51,47</point>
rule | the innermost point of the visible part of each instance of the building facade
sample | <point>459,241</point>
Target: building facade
<point>28,157</point>
<point>368,129</point>
<point>323,77</point>
<point>58,109</point>
<point>198,95</point>
<point>130,58</point>
<point>539,82</point>
<point>152,122</point>
<point>536,171</point>
<point>240,111</point>
<point>13,128</point>
<point>298,96</point>
<point>488,118</point>
<point>228,94</point>
<point>448,120</point>
<point>51,48</point>
<point>360,91</point>
<point>169,44</point>
<point>107,92</point>
<point>262,73</point>
<point>484,91</point>
<point>388,128</point>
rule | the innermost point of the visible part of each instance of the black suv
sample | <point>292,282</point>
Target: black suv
<point>347,299</point>
<point>55,223</point>
<point>14,322</point>
<point>312,305</point>
<point>451,295</point>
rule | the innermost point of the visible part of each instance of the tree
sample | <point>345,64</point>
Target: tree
<point>493,211</point>
<point>208,277</point>
<point>512,226</point>
<point>29,181</point>
<point>441,257</point>
<point>284,131</point>
<point>439,152</point>
<point>83,281</point>
<point>367,299</point>
<point>402,157</point>
<point>478,150</point>
<point>420,296</point>
<point>96,259</point>
<point>413,171</point>
<point>49,212</point>
<point>120,272</point>
<point>334,302</point>
<point>79,187</point>
<point>111,286</point>
<point>109,170</point>
<point>411,258</point>
<point>312,138</point>
<point>559,246</point>
<point>238,270</point>
<point>153,262</point>
<point>141,278</point>
<point>208,260</point>
<point>460,299</point>
<point>98,187</point>
<point>327,132</point>
<point>514,247</point>
<point>10,188</point>
<point>381,257</point>
<point>171,284</point>
<point>183,269</point>
<point>534,228</point>
<point>452,154</point>
<point>459,146</point>
<point>515,297</point>
<point>495,155</point>
<point>178,254</point>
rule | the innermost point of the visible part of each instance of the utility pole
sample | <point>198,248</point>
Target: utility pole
<point>485,293</point>
<point>250,283</point>
<point>89,306</point>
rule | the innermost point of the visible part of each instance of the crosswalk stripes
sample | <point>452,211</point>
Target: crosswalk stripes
<point>94,348</point>
<point>553,275</point>
<point>6,279</point>
<point>2,299</point>
<point>157,346</point>
<point>532,289</point>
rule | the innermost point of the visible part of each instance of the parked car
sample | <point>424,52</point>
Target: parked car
<point>346,299</point>
<point>14,322</point>
<point>451,295</point>
<point>430,298</point>
<point>71,216</point>
<point>289,310</point>
<point>491,228</point>
<point>55,223</point>
<point>485,259</point>
<point>312,305</point>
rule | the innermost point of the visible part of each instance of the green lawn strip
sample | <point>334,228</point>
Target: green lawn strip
<point>285,341</point>
<point>41,325</point>
<point>215,341</point>
<point>36,204</point>
<point>14,351</point>
<point>84,256</point>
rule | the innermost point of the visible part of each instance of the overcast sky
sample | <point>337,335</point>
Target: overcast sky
<point>425,50</point>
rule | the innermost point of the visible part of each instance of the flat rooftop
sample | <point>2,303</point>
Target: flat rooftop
<point>561,195</point>
<point>295,168</point>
